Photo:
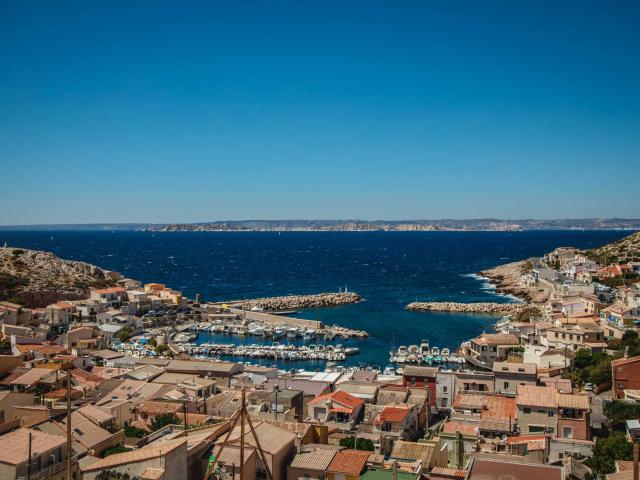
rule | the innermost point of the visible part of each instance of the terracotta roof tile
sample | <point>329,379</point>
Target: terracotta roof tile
<point>392,414</point>
<point>349,462</point>
<point>139,455</point>
<point>343,398</point>
<point>15,445</point>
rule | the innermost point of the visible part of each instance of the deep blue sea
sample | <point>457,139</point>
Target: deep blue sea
<point>389,269</point>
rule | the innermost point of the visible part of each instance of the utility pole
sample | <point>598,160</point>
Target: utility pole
<point>276,389</point>
<point>241,415</point>
<point>242,437</point>
<point>69,451</point>
<point>29,461</point>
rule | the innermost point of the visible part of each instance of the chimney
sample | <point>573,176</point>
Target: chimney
<point>299,447</point>
<point>626,351</point>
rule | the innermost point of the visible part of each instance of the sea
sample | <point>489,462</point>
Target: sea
<point>388,269</point>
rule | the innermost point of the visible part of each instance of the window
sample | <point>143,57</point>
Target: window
<point>526,410</point>
<point>537,428</point>
<point>550,413</point>
<point>444,389</point>
<point>567,432</point>
<point>413,381</point>
<point>506,385</point>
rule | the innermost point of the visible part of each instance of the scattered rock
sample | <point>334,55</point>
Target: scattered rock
<point>480,307</point>
<point>295,302</point>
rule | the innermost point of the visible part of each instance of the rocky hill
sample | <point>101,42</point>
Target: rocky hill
<point>36,279</point>
<point>623,250</point>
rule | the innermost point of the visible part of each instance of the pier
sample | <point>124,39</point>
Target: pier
<point>478,307</point>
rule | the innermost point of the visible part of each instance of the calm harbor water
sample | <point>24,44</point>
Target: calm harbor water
<point>389,269</point>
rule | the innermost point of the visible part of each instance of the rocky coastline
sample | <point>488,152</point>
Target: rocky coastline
<point>507,280</point>
<point>479,307</point>
<point>36,279</point>
<point>297,302</point>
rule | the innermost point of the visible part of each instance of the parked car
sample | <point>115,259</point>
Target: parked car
<point>589,387</point>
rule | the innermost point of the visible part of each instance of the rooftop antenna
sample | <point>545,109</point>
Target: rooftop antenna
<point>243,416</point>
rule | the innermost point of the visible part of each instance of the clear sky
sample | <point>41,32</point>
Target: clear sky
<point>194,111</point>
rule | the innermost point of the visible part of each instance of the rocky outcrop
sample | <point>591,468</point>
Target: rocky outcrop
<point>37,278</point>
<point>480,307</point>
<point>508,280</point>
<point>624,250</point>
<point>296,302</point>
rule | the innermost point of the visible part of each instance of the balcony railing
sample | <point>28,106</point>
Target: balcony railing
<point>51,470</point>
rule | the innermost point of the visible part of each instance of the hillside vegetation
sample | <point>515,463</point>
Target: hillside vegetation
<point>36,279</point>
<point>624,250</point>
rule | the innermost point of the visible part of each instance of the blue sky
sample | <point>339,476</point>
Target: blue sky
<point>194,111</point>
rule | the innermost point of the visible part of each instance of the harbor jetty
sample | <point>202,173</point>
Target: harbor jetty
<point>478,307</point>
<point>296,302</point>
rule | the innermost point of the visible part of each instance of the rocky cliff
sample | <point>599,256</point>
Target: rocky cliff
<point>36,278</point>
<point>624,250</point>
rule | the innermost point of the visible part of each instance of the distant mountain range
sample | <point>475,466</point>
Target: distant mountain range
<point>480,224</point>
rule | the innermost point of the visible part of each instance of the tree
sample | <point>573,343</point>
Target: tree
<point>114,450</point>
<point>135,432</point>
<point>163,420</point>
<point>363,443</point>
<point>591,367</point>
<point>619,411</point>
<point>606,451</point>
<point>125,333</point>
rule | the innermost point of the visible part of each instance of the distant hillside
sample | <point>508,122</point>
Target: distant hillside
<point>481,224</point>
<point>36,279</point>
<point>623,250</point>
<point>353,225</point>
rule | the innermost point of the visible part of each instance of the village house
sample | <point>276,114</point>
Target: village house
<point>61,313</point>
<point>164,461</point>
<point>625,375</point>
<point>544,357</point>
<point>311,463</point>
<point>421,377</point>
<point>575,337</point>
<point>543,410</point>
<point>338,408</point>
<point>619,315</point>
<point>429,453</point>
<point>451,382</point>
<point>397,422</point>
<point>278,446</point>
<point>347,465</point>
<point>111,297</point>
<point>48,454</point>
<point>488,348</point>
<point>508,376</point>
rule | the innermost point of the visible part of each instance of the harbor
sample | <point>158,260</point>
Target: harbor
<point>423,354</point>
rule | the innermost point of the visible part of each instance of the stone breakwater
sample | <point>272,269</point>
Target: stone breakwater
<point>297,302</point>
<point>480,307</point>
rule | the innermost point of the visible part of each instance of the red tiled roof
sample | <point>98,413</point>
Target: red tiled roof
<point>61,393</point>
<point>110,290</point>
<point>462,427</point>
<point>448,472</point>
<point>349,462</point>
<point>343,398</point>
<point>392,414</point>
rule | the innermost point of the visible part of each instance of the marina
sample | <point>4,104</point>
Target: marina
<point>423,354</point>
